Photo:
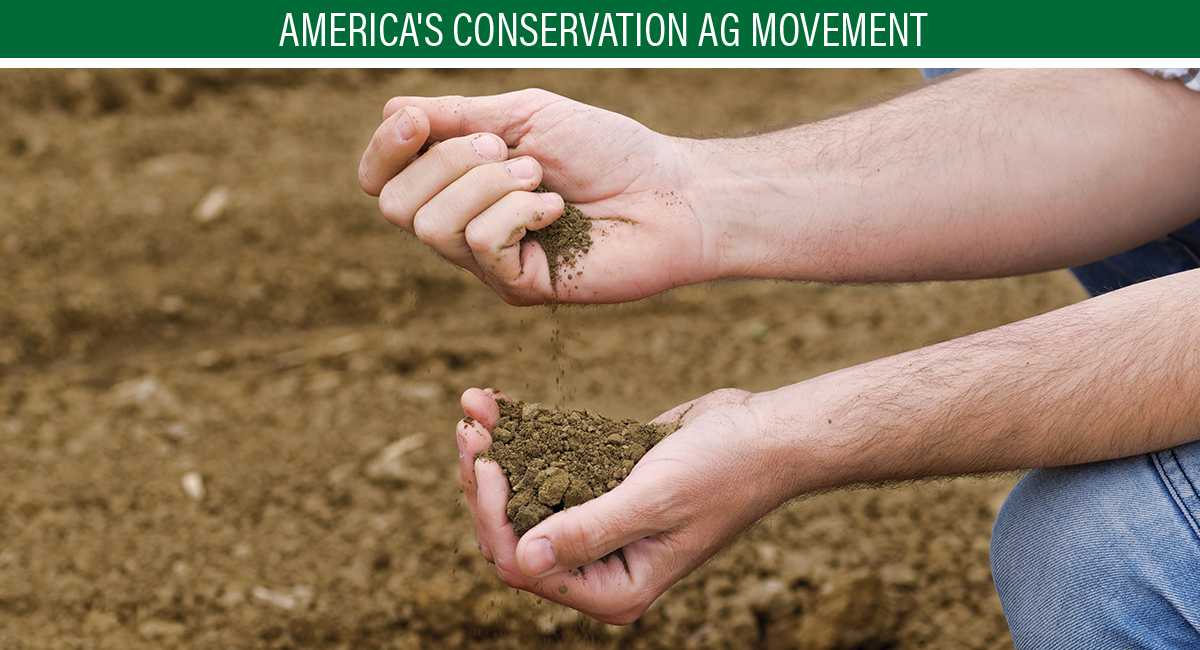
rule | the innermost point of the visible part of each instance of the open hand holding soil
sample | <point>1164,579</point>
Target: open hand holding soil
<point>558,459</point>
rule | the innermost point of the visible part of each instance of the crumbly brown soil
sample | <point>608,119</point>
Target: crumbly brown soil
<point>564,240</point>
<point>300,360</point>
<point>556,459</point>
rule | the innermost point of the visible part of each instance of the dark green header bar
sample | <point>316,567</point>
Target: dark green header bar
<point>594,29</point>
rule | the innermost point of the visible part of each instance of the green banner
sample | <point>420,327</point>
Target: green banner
<point>594,29</point>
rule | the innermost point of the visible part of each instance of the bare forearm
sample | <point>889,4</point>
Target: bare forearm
<point>994,173</point>
<point>1106,378</point>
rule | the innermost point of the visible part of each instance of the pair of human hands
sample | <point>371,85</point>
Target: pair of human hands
<point>471,199</point>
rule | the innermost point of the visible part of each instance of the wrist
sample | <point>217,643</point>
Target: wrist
<point>814,432</point>
<point>759,203</point>
<point>802,458</point>
<point>721,192</point>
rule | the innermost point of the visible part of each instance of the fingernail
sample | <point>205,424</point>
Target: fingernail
<point>462,444</point>
<point>523,168</point>
<point>489,147</point>
<point>548,198</point>
<point>539,557</point>
<point>405,126</point>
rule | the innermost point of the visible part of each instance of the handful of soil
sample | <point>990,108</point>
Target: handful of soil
<point>564,240</point>
<point>557,459</point>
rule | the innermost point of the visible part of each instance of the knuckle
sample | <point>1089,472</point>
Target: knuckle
<point>479,237</point>
<point>425,227</point>
<point>366,182</point>
<point>392,207</point>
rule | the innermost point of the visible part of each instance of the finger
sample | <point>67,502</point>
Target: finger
<point>433,172</point>
<point>605,590</point>
<point>395,142</point>
<point>615,590</point>
<point>473,438</point>
<point>497,394</point>
<point>493,527</point>
<point>506,115</point>
<point>470,437</point>
<point>481,405</point>
<point>441,223</point>
<point>517,270</point>
<point>590,531</point>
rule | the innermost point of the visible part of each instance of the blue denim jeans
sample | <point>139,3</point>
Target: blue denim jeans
<point>1106,556</point>
<point>1103,556</point>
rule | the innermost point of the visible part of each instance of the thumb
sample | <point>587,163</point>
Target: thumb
<point>592,530</point>
<point>505,115</point>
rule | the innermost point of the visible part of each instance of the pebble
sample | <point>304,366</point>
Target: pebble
<point>212,205</point>
<point>193,485</point>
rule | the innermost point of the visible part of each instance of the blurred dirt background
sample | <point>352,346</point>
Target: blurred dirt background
<point>228,387</point>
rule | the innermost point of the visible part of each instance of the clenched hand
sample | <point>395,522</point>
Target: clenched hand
<point>471,198</point>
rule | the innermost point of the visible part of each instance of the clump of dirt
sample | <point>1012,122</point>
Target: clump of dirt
<point>568,238</point>
<point>558,459</point>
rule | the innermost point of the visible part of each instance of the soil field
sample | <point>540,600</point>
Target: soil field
<point>228,387</point>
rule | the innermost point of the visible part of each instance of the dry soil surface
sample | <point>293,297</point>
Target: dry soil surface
<point>228,387</point>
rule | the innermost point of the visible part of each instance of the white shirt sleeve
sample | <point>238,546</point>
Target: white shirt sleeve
<point>1189,76</point>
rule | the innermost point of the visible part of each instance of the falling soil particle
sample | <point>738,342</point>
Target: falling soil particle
<point>557,459</point>
<point>568,238</point>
